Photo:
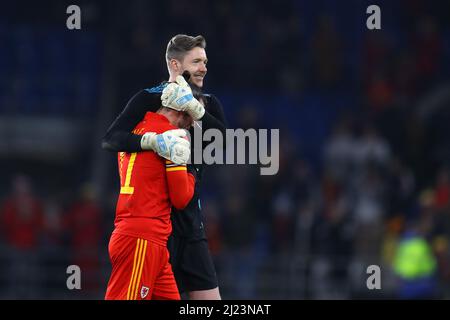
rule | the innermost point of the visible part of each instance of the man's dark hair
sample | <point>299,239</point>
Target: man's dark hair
<point>180,44</point>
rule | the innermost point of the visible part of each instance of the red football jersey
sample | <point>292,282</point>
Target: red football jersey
<point>150,185</point>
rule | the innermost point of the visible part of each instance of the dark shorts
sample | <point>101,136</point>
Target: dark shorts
<point>192,264</point>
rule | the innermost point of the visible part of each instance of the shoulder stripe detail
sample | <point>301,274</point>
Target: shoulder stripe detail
<point>176,169</point>
<point>175,165</point>
<point>157,89</point>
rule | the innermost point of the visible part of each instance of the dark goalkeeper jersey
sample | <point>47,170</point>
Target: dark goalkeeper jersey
<point>119,138</point>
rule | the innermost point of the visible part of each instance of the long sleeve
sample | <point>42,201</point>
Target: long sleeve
<point>181,184</point>
<point>119,136</point>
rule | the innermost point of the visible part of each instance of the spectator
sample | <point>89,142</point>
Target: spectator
<point>83,222</point>
<point>21,217</point>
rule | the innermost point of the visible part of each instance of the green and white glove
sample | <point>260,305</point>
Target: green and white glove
<point>178,96</point>
<point>171,145</point>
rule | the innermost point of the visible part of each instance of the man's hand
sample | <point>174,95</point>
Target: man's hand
<point>178,96</point>
<point>171,145</point>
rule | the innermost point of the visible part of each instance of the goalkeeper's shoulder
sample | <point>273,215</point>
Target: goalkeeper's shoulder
<point>213,105</point>
<point>148,99</point>
<point>152,95</point>
<point>212,99</point>
<point>215,109</point>
<point>156,90</point>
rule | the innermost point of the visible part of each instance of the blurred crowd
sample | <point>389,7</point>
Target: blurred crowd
<point>364,173</point>
<point>42,235</point>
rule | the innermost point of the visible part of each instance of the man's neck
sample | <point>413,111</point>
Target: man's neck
<point>173,77</point>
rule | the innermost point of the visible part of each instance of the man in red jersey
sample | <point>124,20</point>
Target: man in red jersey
<point>150,185</point>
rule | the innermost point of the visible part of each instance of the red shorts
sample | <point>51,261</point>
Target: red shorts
<point>140,270</point>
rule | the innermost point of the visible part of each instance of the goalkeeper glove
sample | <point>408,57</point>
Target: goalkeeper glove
<point>178,96</point>
<point>171,145</point>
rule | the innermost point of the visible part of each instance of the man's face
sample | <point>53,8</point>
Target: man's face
<point>195,62</point>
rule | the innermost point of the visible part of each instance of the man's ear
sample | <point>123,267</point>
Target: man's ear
<point>175,65</point>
